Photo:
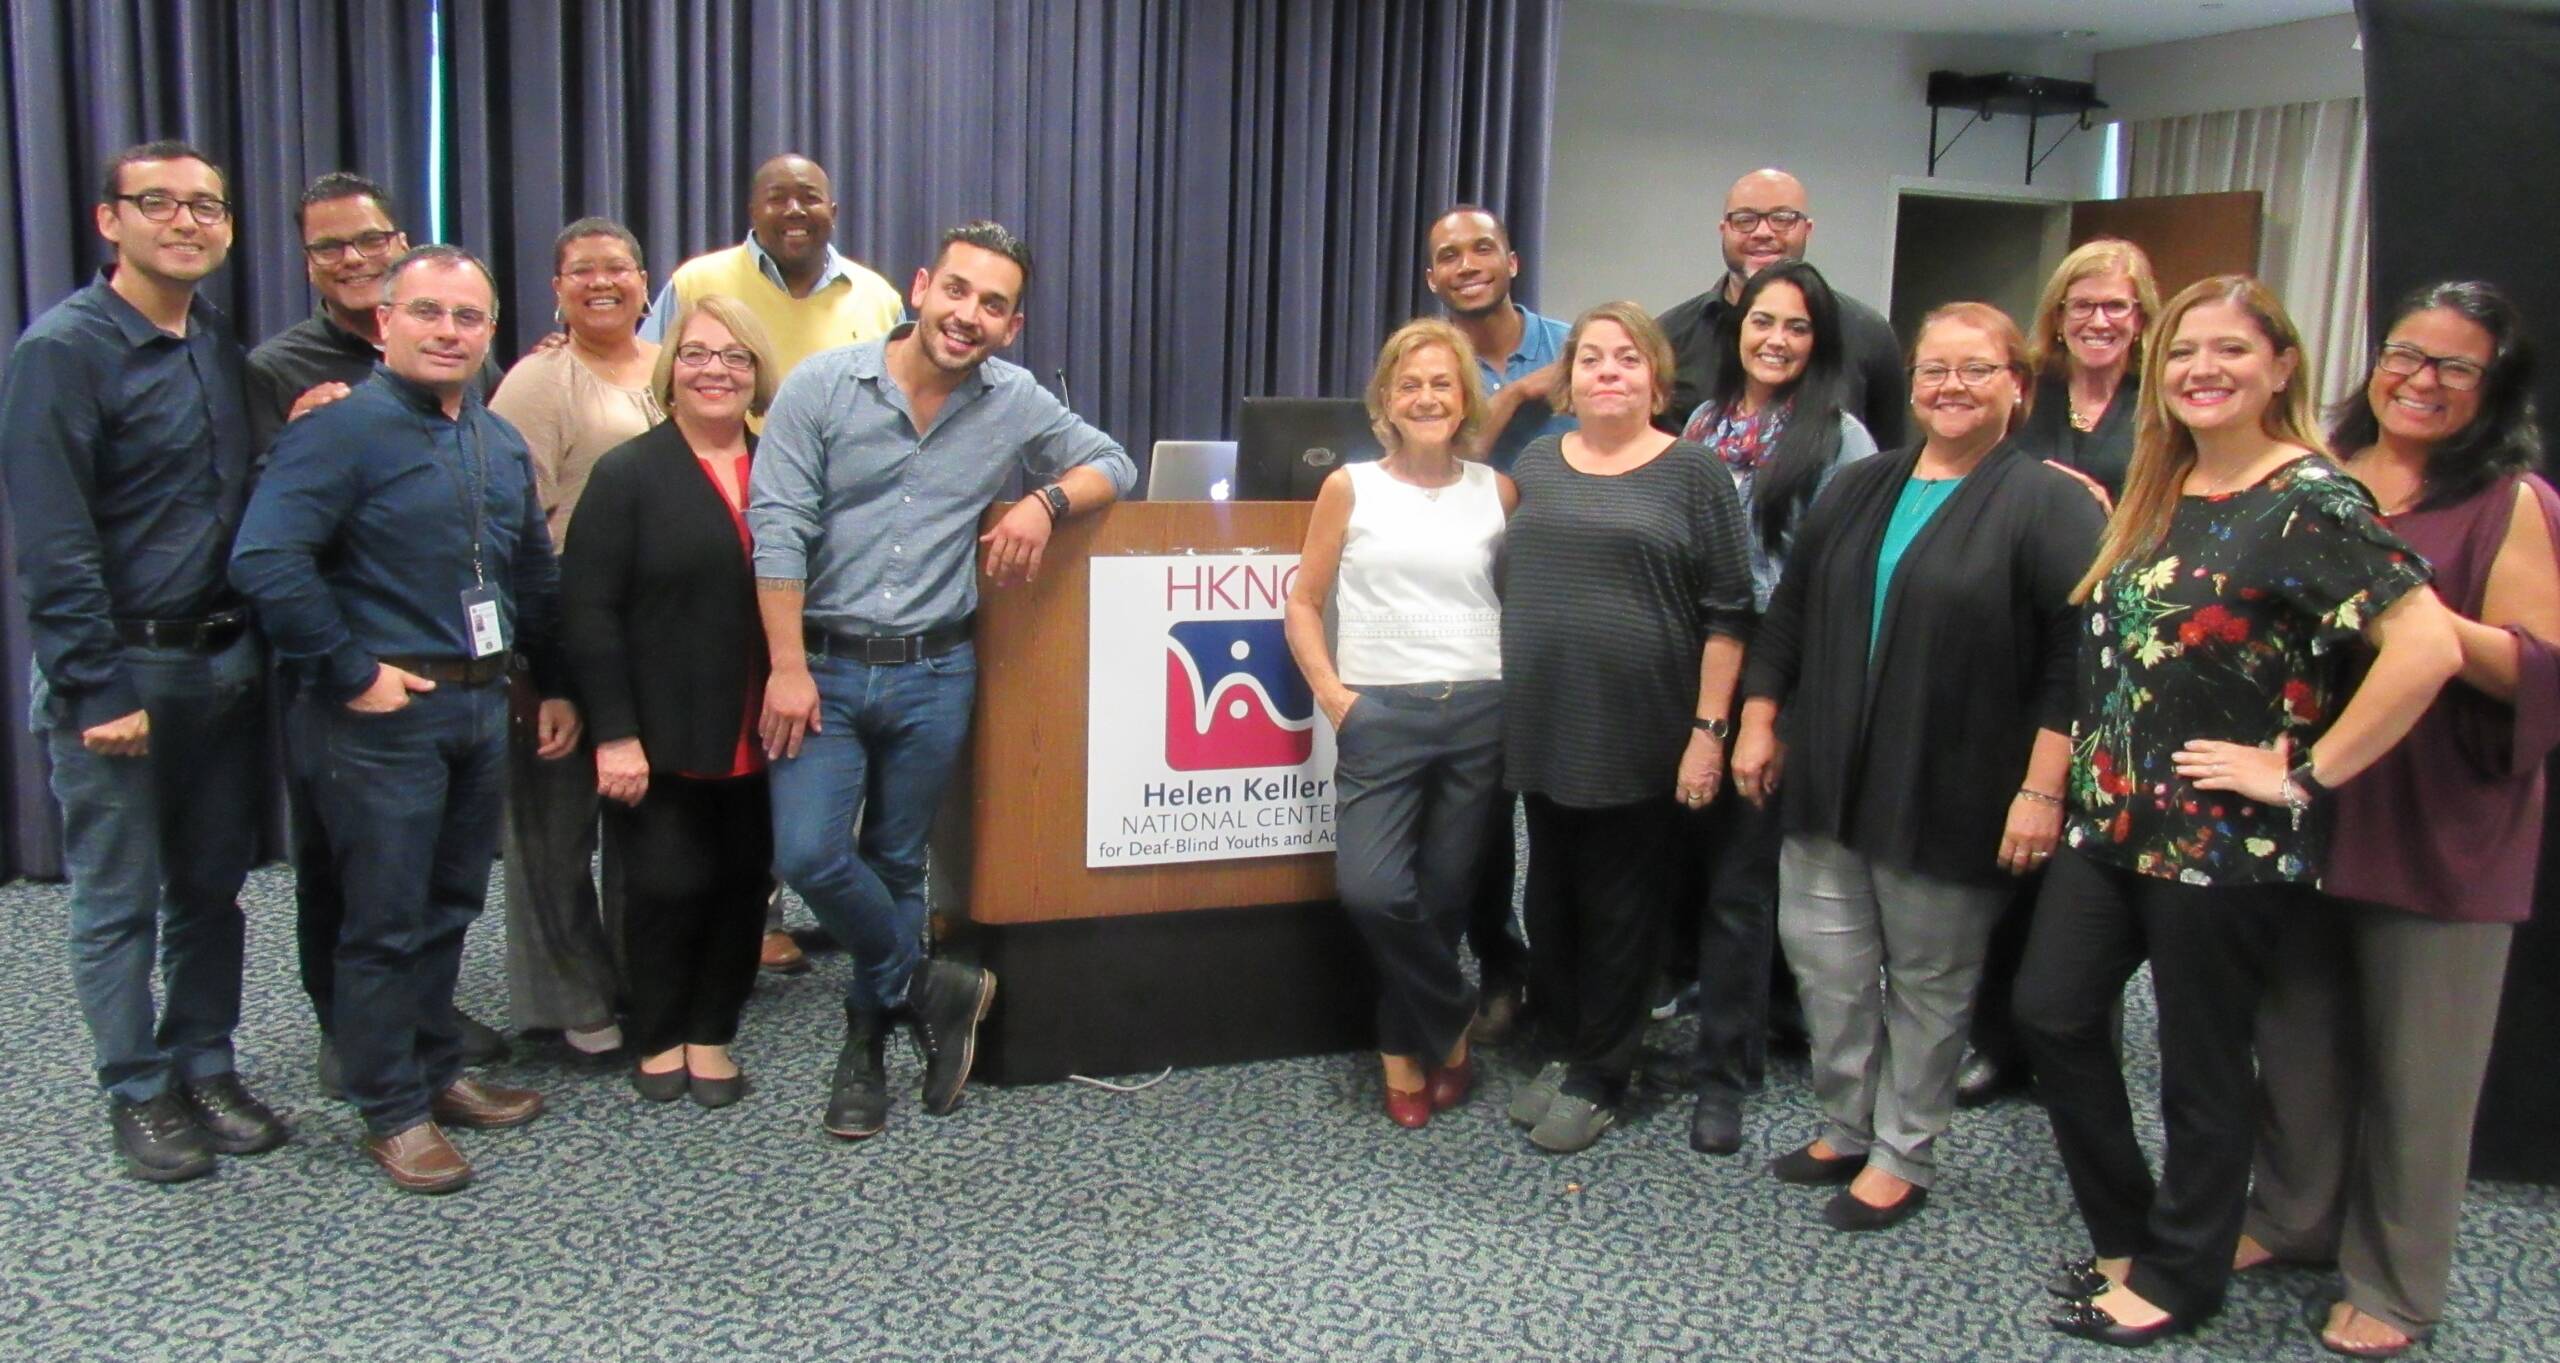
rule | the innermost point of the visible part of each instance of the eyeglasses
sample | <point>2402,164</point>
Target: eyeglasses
<point>429,312</point>
<point>2406,360</point>
<point>696,355</point>
<point>1972,374</point>
<point>2113,309</point>
<point>159,206</point>
<point>331,250</point>
<point>588,271</point>
<point>1749,219</point>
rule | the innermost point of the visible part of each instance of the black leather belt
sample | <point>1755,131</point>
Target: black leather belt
<point>207,634</point>
<point>879,651</point>
<point>454,671</point>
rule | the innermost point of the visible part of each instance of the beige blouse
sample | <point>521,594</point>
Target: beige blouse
<point>569,417</point>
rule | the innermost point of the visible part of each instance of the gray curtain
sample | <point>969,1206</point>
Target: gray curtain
<point>1224,197</point>
<point>276,91</point>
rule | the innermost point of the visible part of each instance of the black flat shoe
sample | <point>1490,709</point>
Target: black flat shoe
<point>1847,1213</point>
<point>659,1088</point>
<point>2083,1319</point>
<point>1805,1168</point>
<point>2078,1278</point>
<point>716,1093</point>
<point>1982,1080</point>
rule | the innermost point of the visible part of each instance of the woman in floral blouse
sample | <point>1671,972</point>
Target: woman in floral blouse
<point>2211,718</point>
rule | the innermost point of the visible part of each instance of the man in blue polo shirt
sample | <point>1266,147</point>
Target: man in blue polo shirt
<point>878,459</point>
<point>124,437</point>
<point>398,556</point>
<point>1470,266</point>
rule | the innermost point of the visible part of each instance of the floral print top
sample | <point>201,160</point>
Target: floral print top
<point>2226,631</point>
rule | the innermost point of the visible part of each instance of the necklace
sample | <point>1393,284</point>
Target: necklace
<point>2084,421</point>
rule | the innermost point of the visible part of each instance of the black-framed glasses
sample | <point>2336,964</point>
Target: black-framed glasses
<point>2113,309</point>
<point>696,355</point>
<point>429,312</point>
<point>2454,372</point>
<point>1972,374</point>
<point>1749,219</point>
<point>161,206</point>
<point>331,250</point>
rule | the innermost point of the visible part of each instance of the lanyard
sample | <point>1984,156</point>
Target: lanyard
<point>471,486</point>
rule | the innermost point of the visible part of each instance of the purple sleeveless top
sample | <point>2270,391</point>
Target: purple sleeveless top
<point>2449,823</point>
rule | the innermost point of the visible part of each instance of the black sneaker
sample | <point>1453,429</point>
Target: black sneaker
<point>945,1004</point>
<point>234,1121</point>
<point>858,1095</point>
<point>160,1143</point>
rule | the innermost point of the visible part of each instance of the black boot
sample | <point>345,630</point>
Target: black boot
<point>945,1003</point>
<point>858,1096</point>
<point>159,1140</point>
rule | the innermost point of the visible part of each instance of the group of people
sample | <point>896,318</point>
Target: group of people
<point>2114,658</point>
<point>1781,635</point>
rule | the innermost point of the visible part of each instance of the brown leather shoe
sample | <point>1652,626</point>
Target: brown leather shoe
<point>483,1107</point>
<point>782,954</point>
<point>420,1159</point>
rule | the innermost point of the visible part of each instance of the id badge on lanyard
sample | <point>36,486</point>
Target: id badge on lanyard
<point>483,623</point>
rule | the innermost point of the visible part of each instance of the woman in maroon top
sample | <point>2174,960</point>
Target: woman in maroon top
<point>2377,1020</point>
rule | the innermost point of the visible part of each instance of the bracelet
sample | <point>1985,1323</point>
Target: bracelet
<point>2040,797</point>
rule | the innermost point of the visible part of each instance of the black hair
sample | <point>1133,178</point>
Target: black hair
<point>1790,472</point>
<point>111,183</point>
<point>429,255</point>
<point>343,184</point>
<point>594,227</point>
<point>1500,228</point>
<point>2501,438</point>
<point>989,235</point>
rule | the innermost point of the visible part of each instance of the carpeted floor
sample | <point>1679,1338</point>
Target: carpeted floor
<point>1257,1212</point>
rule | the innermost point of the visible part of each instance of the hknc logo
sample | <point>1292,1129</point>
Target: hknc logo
<point>1233,697</point>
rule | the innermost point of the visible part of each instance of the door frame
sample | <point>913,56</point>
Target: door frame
<point>2056,202</point>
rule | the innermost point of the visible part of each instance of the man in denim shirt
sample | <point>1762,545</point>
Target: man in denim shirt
<point>877,461</point>
<point>127,455</point>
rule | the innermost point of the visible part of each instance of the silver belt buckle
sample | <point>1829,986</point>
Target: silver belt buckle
<point>882,652</point>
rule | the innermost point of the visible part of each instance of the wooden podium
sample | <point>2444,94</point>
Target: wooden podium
<point>1125,969</point>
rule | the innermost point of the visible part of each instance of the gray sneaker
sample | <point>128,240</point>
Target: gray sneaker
<point>1530,1102</point>
<point>1571,1124</point>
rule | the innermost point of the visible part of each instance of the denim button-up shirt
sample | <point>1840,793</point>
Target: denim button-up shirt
<point>1541,344</point>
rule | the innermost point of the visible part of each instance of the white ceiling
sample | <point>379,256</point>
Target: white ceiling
<point>2117,23</point>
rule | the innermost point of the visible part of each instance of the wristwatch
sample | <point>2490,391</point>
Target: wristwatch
<point>1054,497</point>
<point>1716,728</point>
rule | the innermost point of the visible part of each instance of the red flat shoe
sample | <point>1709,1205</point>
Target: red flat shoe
<point>1451,1084</point>
<point>1409,1110</point>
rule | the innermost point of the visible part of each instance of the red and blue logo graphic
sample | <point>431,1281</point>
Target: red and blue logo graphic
<point>1233,697</point>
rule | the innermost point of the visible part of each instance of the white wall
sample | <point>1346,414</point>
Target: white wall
<point>1658,110</point>
<point>2287,64</point>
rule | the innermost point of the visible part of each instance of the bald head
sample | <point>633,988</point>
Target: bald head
<point>792,207</point>
<point>1765,199</point>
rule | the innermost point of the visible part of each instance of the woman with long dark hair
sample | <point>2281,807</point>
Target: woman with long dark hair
<point>2376,1028</point>
<point>1782,433</point>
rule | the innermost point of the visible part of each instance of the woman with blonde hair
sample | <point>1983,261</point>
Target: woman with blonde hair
<point>2212,717</point>
<point>1403,549</point>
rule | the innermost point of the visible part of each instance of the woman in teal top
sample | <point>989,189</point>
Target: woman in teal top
<point>1908,692</point>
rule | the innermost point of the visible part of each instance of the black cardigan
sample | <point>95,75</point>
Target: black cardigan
<point>2105,453</point>
<point>660,600</point>
<point>1916,768</point>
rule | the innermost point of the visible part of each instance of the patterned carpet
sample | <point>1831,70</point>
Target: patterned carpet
<point>1256,1212</point>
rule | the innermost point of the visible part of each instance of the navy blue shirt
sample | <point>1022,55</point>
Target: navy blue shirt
<point>127,457</point>
<point>358,544</point>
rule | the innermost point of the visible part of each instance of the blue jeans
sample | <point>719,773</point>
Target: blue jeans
<point>411,803</point>
<point>156,847</point>
<point>888,740</point>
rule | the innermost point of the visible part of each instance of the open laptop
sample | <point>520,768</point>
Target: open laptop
<point>1192,471</point>
<point>1286,446</point>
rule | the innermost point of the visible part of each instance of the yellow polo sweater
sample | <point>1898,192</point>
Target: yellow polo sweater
<point>842,311</point>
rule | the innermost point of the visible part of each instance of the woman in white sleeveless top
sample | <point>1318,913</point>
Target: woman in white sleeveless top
<point>1404,550</point>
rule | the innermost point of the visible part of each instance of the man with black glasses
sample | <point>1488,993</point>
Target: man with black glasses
<point>126,450</point>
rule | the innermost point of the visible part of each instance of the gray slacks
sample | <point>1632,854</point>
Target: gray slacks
<point>560,960</point>
<point>2372,1039</point>
<point>1886,961</point>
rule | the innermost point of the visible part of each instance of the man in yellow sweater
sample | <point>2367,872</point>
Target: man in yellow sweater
<point>787,272</point>
<point>809,297</point>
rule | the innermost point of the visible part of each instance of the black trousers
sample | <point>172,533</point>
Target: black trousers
<point>1502,961</point>
<point>1595,909</point>
<point>1733,882</point>
<point>2209,949</point>
<point>1995,1017</point>
<point>692,861</point>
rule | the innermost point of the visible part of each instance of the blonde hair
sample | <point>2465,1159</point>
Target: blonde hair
<point>1641,329</point>
<point>742,325</point>
<point>2164,450</point>
<point>1419,336</point>
<point>2091,260</point>
<point>1994,323</point>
